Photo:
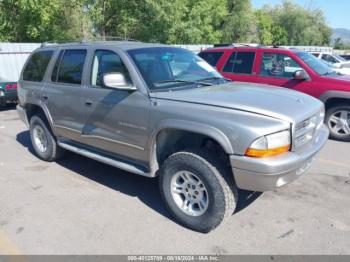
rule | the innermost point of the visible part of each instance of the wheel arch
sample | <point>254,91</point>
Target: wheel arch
<point>332,98</point>
<point>33,109</point>
<point>173,135</point>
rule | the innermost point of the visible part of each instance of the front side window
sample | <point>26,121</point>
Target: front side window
<point>279,65</point>
<point>240,63</point>
<point>36,67</point>
<point>168,67</point>
<point>329,59</point>
<point>212,58</point>
<point>69,67</point>
<point>105,62</point>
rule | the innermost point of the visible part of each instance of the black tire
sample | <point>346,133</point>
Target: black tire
<point>53,151</point>
<point>340,136</point>
<point>3,105</point>
<point>217,179</point>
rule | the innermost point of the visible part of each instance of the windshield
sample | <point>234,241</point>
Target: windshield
<point>168,67</point>
<point>317,65</point>
<point>339,58</point>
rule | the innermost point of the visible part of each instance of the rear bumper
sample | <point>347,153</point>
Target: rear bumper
<point>22,114</point>
<point>8,97</point>
<point>265,174</point>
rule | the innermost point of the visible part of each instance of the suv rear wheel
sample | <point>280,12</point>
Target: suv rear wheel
<point>43,141</point>
<point>338,122</point>
<point>198,189</point>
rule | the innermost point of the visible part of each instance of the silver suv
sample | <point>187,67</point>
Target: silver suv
<point>156,110</point>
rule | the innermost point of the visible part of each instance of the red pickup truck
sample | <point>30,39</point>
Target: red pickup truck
<point>289,68</point>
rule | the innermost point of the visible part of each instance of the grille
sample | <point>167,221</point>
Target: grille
<point>304,131</point>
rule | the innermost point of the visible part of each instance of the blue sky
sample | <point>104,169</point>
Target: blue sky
<point>337,11</point>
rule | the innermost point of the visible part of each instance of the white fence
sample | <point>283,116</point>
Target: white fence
<point>12,58</point>
<point>14,55</point>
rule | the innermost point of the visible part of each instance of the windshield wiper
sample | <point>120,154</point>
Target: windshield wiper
<point>214,78</point>
<point>329,73</point>
<point>174,81</point>
<point>181,81</point>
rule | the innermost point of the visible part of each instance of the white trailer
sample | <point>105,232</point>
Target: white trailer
<point>12,58</point>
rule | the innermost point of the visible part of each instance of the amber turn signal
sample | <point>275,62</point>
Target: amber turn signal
<point>266,152</point>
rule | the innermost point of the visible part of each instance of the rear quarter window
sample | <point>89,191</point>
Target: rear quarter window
<point>240,63</point>
<point>211,58</point>
<point>36,66</point>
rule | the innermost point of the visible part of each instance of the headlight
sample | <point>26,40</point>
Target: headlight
<point>321,118</point>
<point>270,145</point>
<point>2,93</point>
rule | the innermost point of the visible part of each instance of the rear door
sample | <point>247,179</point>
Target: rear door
<point>63,93</point>
<point>239,66</point>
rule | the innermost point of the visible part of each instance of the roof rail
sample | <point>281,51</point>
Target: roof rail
<point>81,41</point>
<point>248,45</point>
<point>84,40</point>
<point>117,38</point>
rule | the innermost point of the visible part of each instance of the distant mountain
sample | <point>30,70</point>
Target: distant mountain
<point>343,33</point>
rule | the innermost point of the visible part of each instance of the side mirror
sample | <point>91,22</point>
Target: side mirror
<point>337,65</point>
<point>117,81</point>
<point>301,75</point>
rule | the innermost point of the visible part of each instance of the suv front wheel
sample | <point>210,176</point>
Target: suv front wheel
<point>197,189</point>
<point>43,141</point>
<point>338,122</point>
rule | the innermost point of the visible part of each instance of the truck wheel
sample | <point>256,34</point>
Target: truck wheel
<point>43,141</point>
<point>197,189</point>
<point>338,122</point>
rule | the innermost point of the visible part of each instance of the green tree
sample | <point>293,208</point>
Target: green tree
<point>240,23</point>
<point>302,26</point>
<point>178,21</point>
<point>38,20</point>
<point>264,27</point>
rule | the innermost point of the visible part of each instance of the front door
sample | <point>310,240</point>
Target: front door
<point>116,121</point>
<point>278,69</point>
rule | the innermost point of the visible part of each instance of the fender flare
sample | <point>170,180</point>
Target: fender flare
<point>334,94</point>
<point>190,126</point>
<point>46,113</point>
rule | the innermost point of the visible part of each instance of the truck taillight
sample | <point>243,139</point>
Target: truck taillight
<point>11,86</point>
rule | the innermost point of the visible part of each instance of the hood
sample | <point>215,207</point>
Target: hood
<point>343,78</point>
<point>345,64</point>
<point>261,99</point>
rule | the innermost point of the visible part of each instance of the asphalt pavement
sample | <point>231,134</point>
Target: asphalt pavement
<point>80,206</point>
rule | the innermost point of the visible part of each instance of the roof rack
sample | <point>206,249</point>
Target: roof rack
<point>47,43</point>
<point>84,40</point>
<point>118,38</point>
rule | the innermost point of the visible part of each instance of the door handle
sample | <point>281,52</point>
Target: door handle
<point>44,98</point>
<point>88,103</point>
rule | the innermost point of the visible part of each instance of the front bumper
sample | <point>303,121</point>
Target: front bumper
<point>265,174</point>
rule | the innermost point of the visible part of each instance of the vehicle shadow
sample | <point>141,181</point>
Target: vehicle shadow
<point>8,107</point>
<point>145,189</point>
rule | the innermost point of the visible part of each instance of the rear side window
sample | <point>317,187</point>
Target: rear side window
<point>212,58</point>
<point>240,63</point>
<point>36,67</point>
<point>69,67</point>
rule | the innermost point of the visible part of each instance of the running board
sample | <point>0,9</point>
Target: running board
<point>104,159</point>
